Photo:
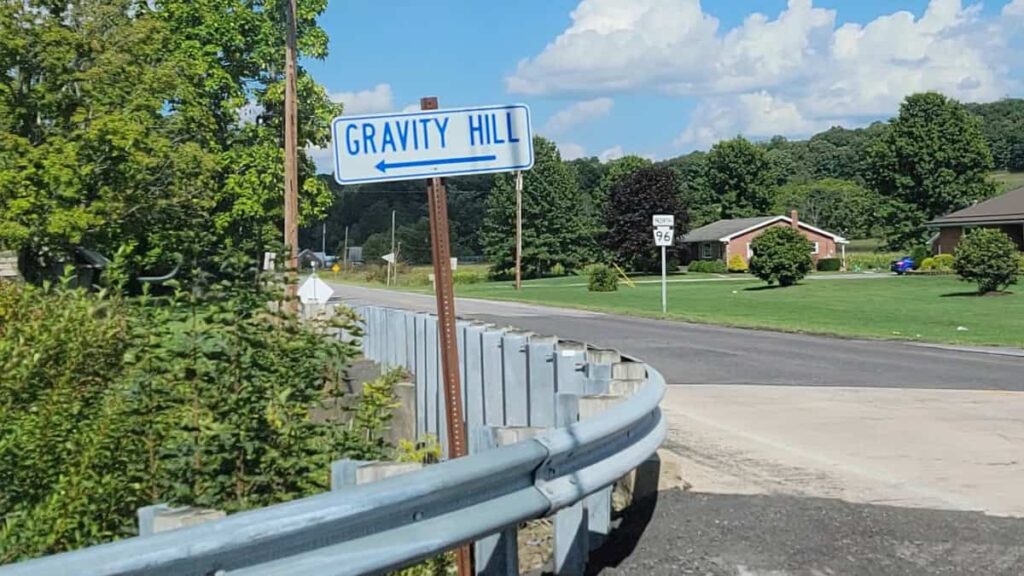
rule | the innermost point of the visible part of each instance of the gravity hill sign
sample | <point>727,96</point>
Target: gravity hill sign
<point>434,143</point>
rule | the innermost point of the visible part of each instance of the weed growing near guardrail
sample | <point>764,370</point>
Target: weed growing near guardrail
<point>199,397</point>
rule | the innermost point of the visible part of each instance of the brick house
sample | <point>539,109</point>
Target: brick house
<point>722,239</point>
<point>1005,212</point>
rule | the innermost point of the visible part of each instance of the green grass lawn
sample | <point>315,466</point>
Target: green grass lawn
<point>907,308</point>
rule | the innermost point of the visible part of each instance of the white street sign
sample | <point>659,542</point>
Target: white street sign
<point>662,220</point>
<point>315,291</point>
<point>663,236</point>
<point>389,258</point>
<point>407,146</point>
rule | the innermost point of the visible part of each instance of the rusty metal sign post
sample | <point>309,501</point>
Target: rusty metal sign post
<point>431,144</point>
<point>440,249</point>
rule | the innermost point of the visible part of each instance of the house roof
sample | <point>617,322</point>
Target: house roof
<point>715,231</point>
<point>1007,208</point>
<point>725,230</point>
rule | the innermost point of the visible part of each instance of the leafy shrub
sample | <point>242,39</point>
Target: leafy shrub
<point>602,278</point>
<point>558,269</point>
<point>737,264</point>
<point>707,267</point>
<point>467,277</point>
<point>989,258</point>
<point>928,264</point>
<point>375,273</point>
<point>919,253</point>
<point>871,261</point>
<point>943,262</point>
<point>201,397</point>
<point>782,255</point>
<point>830,265</point>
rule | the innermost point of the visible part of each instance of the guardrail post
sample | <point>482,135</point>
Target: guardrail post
<point>514,360</point>
<point>571,366</point>
<point>498,554</point>
<point>420,371</point>
<point>541,362</point>
<point>599,370</point>
<point>598,504</point>
<point>492,344</point>
<point>343,473</point>
<point>570,525</point>
<point>163,518</point>
<point>474,380</point>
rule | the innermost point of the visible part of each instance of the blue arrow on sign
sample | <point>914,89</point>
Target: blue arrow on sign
<point>384,165</point>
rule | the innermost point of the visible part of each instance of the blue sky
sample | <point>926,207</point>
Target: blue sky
<point>663,77</point>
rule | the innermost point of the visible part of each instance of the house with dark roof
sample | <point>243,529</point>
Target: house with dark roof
<point>1005,212</point>
<point>722,239</point>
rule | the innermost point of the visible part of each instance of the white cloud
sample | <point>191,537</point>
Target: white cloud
<point>570,151</point>
<point>613,153</point>
<point>789,74</point>
<point>615,45</point>
<point>755,115</point>
<point>411,108</point>
<point>577,113</point>
<point>374,100</point>
<point>1014,8</point>
<point>322,158</point>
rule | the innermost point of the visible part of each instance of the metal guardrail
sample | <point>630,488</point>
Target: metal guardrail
<point>398,521</point>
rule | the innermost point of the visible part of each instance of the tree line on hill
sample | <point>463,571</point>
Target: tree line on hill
<point>884,180</point>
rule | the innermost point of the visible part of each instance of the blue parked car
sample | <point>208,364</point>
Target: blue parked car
<point>902,266</point>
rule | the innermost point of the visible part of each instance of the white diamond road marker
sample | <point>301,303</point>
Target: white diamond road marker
<point>315,291</point>
<point>428,144</point>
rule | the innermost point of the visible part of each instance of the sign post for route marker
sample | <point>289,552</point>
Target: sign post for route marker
<point>430,144</point>
<point>664,230</point>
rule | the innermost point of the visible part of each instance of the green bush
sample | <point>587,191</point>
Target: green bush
<point>943,262</point>
<point>919,253</point>
<point>707,267</point>
<point>602,278</point>
<point>201,397</point>
<point>467,277</point>
<point>737,264</point>
<point>988,258</point>
<point>781,254</point>
<point>557,270</point>
<point>830,265</point>
<point>871,261</point>
<point>927,264</point>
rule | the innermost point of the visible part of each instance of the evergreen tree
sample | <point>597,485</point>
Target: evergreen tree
<point>556,231</point>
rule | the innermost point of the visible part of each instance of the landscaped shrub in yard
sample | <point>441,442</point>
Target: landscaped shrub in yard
<point>988,258</point>
<point>944,262</point>
<point>830,265</point>
<point>919,253</point>
<point>737,264</point>
<point>781,254</point>
<point>707,267</point>
<point>602,278</point>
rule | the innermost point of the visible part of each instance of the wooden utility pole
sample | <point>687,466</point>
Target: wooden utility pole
<point>344,252</point>
<point>437,199</point>
<point>291,150</point>
<point>519,229</point>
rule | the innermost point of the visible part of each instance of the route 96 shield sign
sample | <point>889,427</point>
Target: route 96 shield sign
<point>663,236</point>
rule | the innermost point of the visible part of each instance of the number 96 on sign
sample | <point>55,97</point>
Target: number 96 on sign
<point>663,236</point>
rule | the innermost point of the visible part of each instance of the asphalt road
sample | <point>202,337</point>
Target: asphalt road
<point>702,354</point>
<point>809,455</point>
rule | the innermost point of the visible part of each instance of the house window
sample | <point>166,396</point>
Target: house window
<point>750,251</point>
<point>705,251</point>
<point>816,248</point>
